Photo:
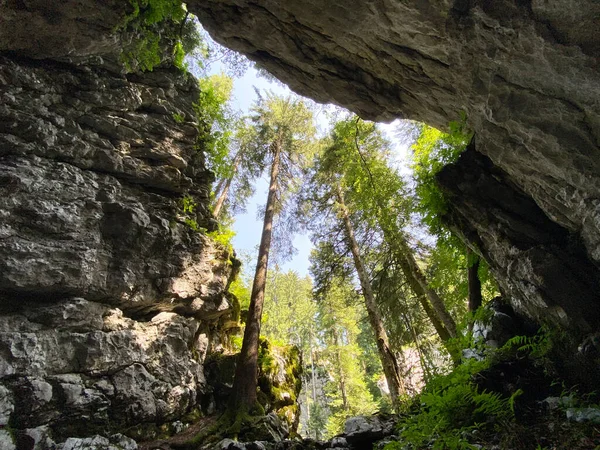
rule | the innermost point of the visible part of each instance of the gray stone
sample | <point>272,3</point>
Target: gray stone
<point>104,288</point>
<point>469,353</point>
<point>229,444</point>
<point>81,207</point>
<point>6,405</point>
<point>38,438</point>
<point>544,274</point>
<point>363,431</point>
<point>115,442</point>
<point>584,414</point>
<point>257,445</point>
<point>6,440</point>
<point>560,402</point>
<point>339,441</point>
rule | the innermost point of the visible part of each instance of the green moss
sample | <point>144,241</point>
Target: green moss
<point>193,416</point>
<point>241,423</point>
<point>277,394</point>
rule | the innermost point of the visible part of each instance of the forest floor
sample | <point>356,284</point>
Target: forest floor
<point>181,438</point>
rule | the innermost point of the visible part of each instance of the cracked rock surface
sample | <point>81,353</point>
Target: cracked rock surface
<point>109,301</point>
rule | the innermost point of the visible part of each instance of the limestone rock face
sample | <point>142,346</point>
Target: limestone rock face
<point>82,366</point>
<point>525,74</point>
<point>94,168</point>
<point>82,30</point>
<point>542,268</point>
<point>109,299</point>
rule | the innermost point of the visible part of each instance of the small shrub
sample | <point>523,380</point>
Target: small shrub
<point>159,24</point>
<point>393,446</point>
<point>223,236</point>
<point>452,406</point>
<point>188,206</point>
<point>179,118</point>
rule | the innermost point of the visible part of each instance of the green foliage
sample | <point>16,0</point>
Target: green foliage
<point>179,118</point>
<point>188,206</point>
<point>447,261</point>
<point>394,446</point>
<point>537,346</point>
<point>447,273</point>
<point>239,288</point>
<point>340,314</point>
<point>432,151</point>
<point>178,55</point>
<point>452,406</point>
<point>193,224</point>
<point>223,236</point>
<point>215,119</point>
<point>144,53</point>
<point>289,311</point>
<point>284,124</point>
<point>158,24</point>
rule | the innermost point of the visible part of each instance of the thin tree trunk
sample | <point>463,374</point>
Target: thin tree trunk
<point>225,184</point>
<point>475,297</point>
<point>418,290</point>
<point>246,373</point>
<point>314,389</point>
<point>341,370</point>
<point>222,197</point>
<point>388,359</point>
<point>432,296</point>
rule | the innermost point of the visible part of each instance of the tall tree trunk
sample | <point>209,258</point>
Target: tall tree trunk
<point>225,184</point>
<point>435,300</point>
<point>432,314</point>
<point>388,359</point>
<point>409,265</point>
<point>246,373</point>
<point>475,297</point>
<point>421,295</point>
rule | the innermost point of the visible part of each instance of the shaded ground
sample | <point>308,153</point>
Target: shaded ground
<point>181,438</point>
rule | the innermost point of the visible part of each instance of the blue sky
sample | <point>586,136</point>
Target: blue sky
<point>248,226</point>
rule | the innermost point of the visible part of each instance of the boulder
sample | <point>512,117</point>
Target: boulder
<point>362,432</point>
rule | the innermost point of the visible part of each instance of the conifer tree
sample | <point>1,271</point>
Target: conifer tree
<point>282,129</point>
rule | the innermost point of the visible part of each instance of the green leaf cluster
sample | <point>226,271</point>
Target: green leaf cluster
<point>340,314</point>
<point>289,311</point>
<point>223,236</point>
<point>215,120</point>
<point>188,206</point>
<point>452,407</point>
<point>432,151</point>
<point>158,25</point>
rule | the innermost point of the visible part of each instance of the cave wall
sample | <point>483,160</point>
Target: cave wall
<point>109,301</point>
<point>525,74</point>
<point>539,265</point>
